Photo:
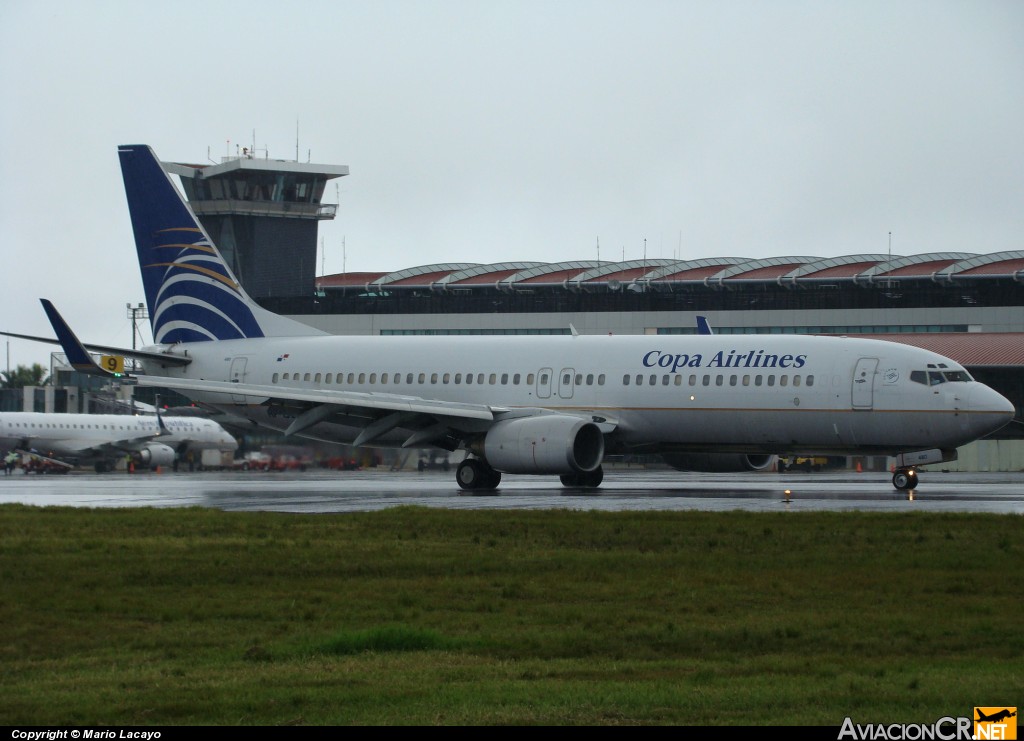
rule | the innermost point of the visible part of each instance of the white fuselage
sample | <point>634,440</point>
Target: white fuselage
<point>747,393</point>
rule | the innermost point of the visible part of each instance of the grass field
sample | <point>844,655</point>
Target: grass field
<point>436,617</point>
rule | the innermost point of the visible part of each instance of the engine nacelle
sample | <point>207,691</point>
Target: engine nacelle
<point>548,443</point>
<point>719,462</point>
<point>156,454</point>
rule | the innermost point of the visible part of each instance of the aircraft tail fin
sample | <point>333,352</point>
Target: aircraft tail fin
<point>702,326</point>
<point>191,293</point>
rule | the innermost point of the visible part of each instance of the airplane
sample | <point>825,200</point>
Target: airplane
<point>102,439</point>
<point>546,405</point>
<point>995,717</point>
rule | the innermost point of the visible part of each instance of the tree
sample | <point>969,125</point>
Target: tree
<point>24,375</point>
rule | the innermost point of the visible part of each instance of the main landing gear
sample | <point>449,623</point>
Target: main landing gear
<point>473,474</point>
<point>905,478</point>
<point>584,480</point>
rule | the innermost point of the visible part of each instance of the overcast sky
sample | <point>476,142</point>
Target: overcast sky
<point>489,131</point>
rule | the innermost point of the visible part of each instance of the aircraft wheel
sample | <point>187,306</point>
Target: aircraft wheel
<point>592,479</point>
<point>470,474</point>
<point>904,480</point>
<point>491,480</point>
<point>571,480</point>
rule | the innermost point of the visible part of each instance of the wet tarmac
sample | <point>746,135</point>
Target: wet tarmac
<point>360,491</point>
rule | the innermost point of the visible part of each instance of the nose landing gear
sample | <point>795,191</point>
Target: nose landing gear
<point>905,478</point>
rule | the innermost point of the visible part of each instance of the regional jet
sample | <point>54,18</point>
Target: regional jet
<point>101,440</point>
<point>546,405</point>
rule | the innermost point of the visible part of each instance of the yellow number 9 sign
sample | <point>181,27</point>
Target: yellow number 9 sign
<point>112,363</point>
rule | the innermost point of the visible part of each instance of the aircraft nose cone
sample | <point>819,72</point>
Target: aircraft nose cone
<point>989,410</point>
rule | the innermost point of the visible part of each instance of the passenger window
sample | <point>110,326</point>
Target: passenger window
<point>810,380</point>
<point>398,378</point>
<point>383,379</point>
<point>422,378</point>
<point>351,378</point>
<point>579,379</point>
<point>479,377</point>
<point>746,380</point>
<point>373,378</point>
<point>529,379</point>
<point>433,378</point>
<point>504,379</point>
<point>306,377</point>
<point>706,381</point>
<point>458,378</point>
<point>515,380</point>
<point>492,379</point>
<point>757,380</point>
<point>664,379</point>
<point>317,378</point>
<point>783,380</point>
<point>679,380</point>
<point>796,380</point>
<point>719,380</point>
<point>469,378</point>
<point>543,379</point>
<point>273,379</point>
<point>329,378</point>
<point>625,380</point>
<point>362,378</point>
<point>600,380</point>
<point>732,380</point>
<point>408,378</point>
<point>771,380</point>
<point>446,378</point>
<point>653,380</point>
<point>639,380</point>
<point>590,379</point>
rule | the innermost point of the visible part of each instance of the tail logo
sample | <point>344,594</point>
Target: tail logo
<point>197,297</point>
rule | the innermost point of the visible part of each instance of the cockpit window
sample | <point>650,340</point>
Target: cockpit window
<point>934,377</point>
<point>957,376</point>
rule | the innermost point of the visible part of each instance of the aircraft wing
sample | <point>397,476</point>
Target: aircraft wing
<point>353,399</point>
<point>377,413</point>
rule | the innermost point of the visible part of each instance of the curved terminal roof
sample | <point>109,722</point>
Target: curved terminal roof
<point>486,274</point>
<point>865,269</point>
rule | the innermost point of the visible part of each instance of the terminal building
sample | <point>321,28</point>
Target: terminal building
<point>263,216</point>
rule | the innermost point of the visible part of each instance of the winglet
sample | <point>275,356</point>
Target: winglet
<point>76,353</point>
<point>702,325</point>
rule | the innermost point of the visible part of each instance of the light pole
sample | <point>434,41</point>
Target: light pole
<point>135,313</point>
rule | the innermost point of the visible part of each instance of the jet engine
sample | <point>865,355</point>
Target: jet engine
<point>155,454</point>
<point>547,443</point>
<point>719,462</point>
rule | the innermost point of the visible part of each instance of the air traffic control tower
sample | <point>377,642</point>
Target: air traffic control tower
<point>262,214</point>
